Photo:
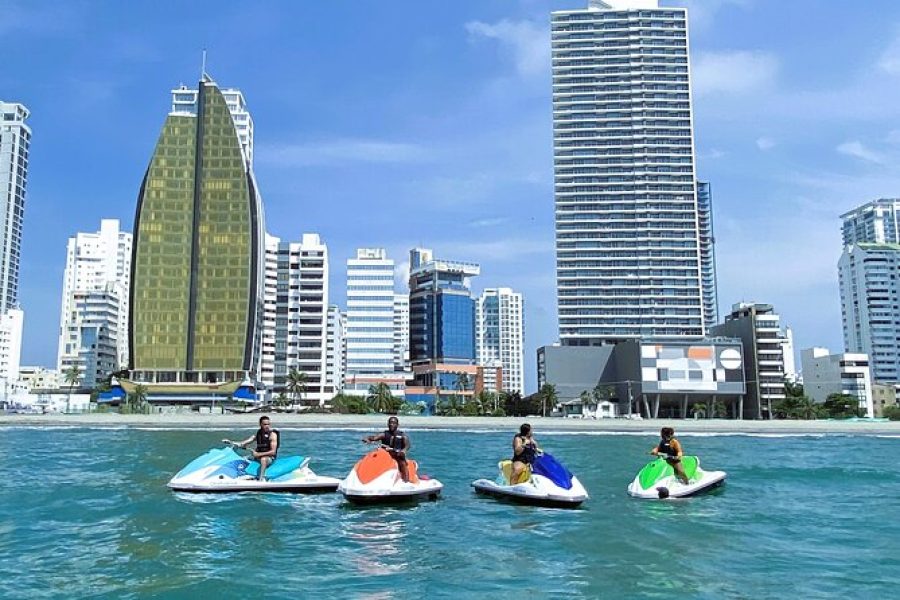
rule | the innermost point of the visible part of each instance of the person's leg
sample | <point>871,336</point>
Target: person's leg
<point>517,469</point>
<point>402,467</point>
<point>679,472</point>
<point>264,462</point>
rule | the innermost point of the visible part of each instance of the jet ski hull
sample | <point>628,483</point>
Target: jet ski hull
<point>323,486</point>
<point>514,494</point>
<point>392,496</point>
<point>657,481</point>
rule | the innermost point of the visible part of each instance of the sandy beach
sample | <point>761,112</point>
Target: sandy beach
<point>318,421</point>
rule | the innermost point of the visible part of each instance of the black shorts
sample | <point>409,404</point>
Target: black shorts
<point>673,460</point>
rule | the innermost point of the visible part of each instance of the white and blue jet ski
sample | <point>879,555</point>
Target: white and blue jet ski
<point>223,470</point>
<point>657,481</point>
<point>545,483</point>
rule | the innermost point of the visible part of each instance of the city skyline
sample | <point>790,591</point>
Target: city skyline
<point>781,174</point>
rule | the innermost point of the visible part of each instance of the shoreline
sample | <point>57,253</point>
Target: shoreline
<point>375,421</point>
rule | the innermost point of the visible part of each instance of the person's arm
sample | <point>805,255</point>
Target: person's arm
<point>273,447</point>
<point>241,444</point>
<point>407,444</point>
<point>676,445</point>
<point>655,451</point>
<point>372,438</point>
<point>536,446</point>
<point>517,446</point>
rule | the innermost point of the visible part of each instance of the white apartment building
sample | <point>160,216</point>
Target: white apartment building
<point>335,353</point>
<point>295,314</point>
<point>41,378</point>
<point>95,302</point>
<point>11,322</point>
<point>790,361</point>
<point>870,294</point>
<point>369,335</point>
<point>500,338</point>
<point>92,336</point>
<point>15,141</point>
<point>875,222</point>
<point>631,261</point>
<point>184,100</point>
<point>825,373</point>
<point>401,332</point>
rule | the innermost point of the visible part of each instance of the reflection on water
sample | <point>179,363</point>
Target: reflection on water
<point>379,544</point>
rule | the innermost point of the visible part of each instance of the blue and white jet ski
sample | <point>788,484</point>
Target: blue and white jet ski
<point>546,483</point>
<point>224,470</point>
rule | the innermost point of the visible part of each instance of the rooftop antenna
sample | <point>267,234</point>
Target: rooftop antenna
<point>203,66</point>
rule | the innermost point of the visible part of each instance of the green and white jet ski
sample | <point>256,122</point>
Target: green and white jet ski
<point>657,480</point>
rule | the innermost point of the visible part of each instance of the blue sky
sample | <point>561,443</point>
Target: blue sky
<point>397,124</point>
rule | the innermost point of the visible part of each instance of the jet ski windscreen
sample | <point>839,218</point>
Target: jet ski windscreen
<point>547,466</point>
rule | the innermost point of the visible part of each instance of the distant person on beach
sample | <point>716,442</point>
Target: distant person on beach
<point>670,449</point>
<point>396,443</point>
<point>266,440</point>
<point>525,448</point>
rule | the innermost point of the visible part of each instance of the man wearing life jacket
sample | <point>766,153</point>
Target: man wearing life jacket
<point>525,448</point>
<point>395,442</point>
<point>670,449</point>
<point>266,440</point>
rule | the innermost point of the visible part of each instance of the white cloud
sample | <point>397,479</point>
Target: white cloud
<point>733,72</point>
<point>489,222</point>
<point>340,151</point>
<point>528,41</point>
<point>858,150</point>
<point>765,143</point>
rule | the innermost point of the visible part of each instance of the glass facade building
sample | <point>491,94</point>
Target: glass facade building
<point>441,310</point>
<point>196,267</point>
<point>629,232</point>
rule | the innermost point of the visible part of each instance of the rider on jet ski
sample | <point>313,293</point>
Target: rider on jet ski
<point>266,440</point>
<point>670,449</point>
<point>396,443</point>
<point>524,450</point>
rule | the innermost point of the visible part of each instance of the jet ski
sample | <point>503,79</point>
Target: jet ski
<point>375,479</point>
<point>657,480</point>
<point>544,483</point>
<point>224,470</point>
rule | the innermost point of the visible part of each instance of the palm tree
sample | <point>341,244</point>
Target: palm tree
<point>462,382</point>
<point>380,398</point>
<point>548,396</point>
<point>451,407</point>
<point>296,384</point>
<point>73,374</point>
<point>487,402</point>
<point>138,398</point>
<point>698,409</point>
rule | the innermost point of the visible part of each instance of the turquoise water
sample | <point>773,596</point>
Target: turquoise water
<point>85,512</point>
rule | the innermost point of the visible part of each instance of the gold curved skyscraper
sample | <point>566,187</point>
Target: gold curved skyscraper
<point>196,257</point>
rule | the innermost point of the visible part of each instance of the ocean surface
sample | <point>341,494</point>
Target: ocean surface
<point>86,513</point>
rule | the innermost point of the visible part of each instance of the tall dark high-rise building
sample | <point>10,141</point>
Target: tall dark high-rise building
<point>197,254</point>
